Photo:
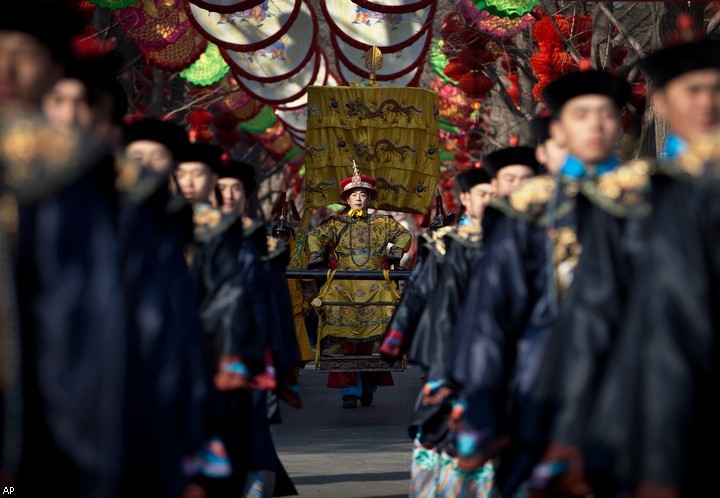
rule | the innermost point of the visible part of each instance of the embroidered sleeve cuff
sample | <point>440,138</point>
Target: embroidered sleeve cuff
<point>315,259</point>
<point>392,342</point>
<point>395,253</point>
<point>236,367</point>
<point>468,443</point>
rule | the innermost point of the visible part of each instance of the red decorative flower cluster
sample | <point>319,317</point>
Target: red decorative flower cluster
<point>552,59</point>
<point>469,52</point>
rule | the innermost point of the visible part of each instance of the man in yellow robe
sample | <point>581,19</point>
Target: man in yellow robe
<point>360,242</point>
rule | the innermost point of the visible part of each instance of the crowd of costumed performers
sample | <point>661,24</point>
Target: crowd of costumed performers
<point>565,323</point>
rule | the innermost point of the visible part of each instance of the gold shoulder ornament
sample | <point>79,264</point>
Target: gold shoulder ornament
<point>210,222</point>
<point>530,199</point>
<point>624,191</point>
<point>701,159</point>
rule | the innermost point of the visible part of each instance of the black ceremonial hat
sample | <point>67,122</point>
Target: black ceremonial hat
<point>171,136</point>
<point>468,179</point>
<point>670,62</point>
<point>579,83</point>
<point>241,171</point>
<point>205,153</point>
<point>509,156</point>
<point>540,126</point>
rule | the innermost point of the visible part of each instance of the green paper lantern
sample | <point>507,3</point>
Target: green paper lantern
<point>208,69</point>
<point>509,8</point>
<point>113,4</point>
<point>264,120</point>
<point>438,61</point>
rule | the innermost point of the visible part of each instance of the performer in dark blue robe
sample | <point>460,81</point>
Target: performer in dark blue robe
<point>165,373</point>
<point>520,290</point>
<point>62,377</point>
<point>605,421</point>
<point>401,330</point>
<point>241,322</point>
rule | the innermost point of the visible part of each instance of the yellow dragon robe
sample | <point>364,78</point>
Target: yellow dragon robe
<point>359,243</point>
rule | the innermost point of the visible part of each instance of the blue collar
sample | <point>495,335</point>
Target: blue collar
<point>674,146</point>
<point>575,169</point>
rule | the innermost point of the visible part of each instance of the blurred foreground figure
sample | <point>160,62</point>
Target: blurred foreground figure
<point>59,203</point>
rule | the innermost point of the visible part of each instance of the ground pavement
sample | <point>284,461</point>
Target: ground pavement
<point>349,453</point>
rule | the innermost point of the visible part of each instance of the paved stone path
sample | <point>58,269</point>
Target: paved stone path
<point>343,453</point>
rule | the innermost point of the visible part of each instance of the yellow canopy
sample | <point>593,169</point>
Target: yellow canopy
<point>392,133</point>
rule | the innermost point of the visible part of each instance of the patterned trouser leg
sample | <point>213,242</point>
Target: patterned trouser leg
<point>453,483</point>
<point>259,484</point>
<point>424,472</point>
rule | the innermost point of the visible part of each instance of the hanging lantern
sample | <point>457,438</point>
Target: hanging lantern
<point>208,69</point>
<point>283,58</point>
<point>178,55</point>
<point>455,70</point>
<point>453,31</point>
<point>246,30</point>
<point>364,29</point>
<point>153,24</point>
<point>199,118</point>
<point>480,52</point>
<point>261,122</point>
<point>509,8</point>
<point>475,84</point>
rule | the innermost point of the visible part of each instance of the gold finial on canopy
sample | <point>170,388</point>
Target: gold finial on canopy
<point>373,62</point>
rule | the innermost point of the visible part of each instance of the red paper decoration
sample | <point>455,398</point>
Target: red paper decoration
<point>178,55</point>
<point>552,60</point>
<point>479,53</point>
<point>475,85</point>
<point>455,70</point>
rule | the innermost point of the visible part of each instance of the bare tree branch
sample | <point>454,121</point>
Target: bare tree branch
<point>105,30</point>
<point>714,23</point>
<point>206,99</point>
<point>621,29</point>
<point>492,74</point>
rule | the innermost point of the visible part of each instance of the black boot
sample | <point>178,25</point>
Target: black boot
<point>366,399</point>
<point>350,401</point>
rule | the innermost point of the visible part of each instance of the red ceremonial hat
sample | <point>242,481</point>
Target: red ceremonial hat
<point>357,181</point>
